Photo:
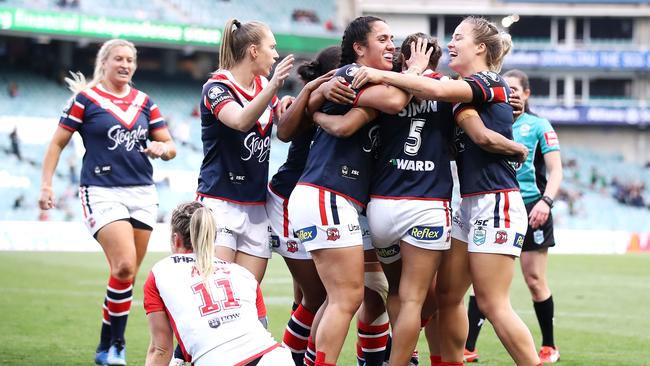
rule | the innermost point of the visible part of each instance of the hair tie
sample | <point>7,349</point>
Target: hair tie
<point>237,24</point>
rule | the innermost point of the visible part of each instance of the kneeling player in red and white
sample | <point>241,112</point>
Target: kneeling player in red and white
<point>214,308</point>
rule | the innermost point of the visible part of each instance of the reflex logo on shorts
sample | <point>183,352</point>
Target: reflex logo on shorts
<point>391,251</point>
<point>427,232</point>
<point>479,236</point>
<point>306,234</point>
<point>519,240</point>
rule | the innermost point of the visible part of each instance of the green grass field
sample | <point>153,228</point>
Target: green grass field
<point>50,308</point>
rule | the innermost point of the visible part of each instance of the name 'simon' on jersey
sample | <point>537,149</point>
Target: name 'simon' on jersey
<point>414,108</point>
<point>257,147</point>
<point>121,136</point>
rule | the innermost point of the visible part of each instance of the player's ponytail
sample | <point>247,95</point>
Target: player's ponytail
<point>236,39</point>
<point>77,82</point>
<point>497,43</point>
<point>202,233</point>
<point>325,61</point>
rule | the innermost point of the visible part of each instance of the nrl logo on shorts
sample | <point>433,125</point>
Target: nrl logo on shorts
<point>292,246</point>
<point>479,236</point>
<point>333,234</point>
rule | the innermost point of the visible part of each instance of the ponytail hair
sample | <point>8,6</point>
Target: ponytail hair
<point>497,43</point>
<point>202,234</point>
<point>77,81</point>
<point>356,32</point>
<point>325,61</point>
<point>236,39</point>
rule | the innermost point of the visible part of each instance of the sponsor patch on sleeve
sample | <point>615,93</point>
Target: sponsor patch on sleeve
<point>551,138</point>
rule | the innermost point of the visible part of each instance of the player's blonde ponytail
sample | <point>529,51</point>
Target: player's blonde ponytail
<point>202,233</point>
<point>236,39</point>
<point>77,81</point>
<point>497,43</point>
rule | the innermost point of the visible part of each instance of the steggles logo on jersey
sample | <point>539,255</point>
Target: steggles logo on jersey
<point>121,136</point>
<point>257,147</point>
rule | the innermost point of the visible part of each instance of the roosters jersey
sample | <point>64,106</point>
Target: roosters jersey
<point>540,138</point>
<point>284,181</point>
<point>235,165</point>
<point>480,171</point>
<point>342,165</point>
<point>114,131</point>
<point>222,311</point>
<point>414,152</point>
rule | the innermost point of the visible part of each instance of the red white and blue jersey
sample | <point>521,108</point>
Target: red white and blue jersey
<point>284,181</point>
<point>114,131</point>
<point>414,152</point>
<point>223,310</point>
<point>342,165</point>
<point>479,171</point>
<point>235,164</point>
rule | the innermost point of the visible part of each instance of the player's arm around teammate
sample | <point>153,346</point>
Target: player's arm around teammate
<point>117,193</point>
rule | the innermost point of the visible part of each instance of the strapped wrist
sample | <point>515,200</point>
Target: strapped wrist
<point>548,200</point>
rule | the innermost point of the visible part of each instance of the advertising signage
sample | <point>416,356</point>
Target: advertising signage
<point>631,116</point>
<point>80,25</point>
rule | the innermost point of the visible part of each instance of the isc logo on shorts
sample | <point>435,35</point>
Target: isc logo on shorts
<point>427,232</point>
<point>306,234</point>
<point>391,251</point>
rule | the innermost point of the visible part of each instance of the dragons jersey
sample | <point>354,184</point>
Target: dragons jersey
<point>414,152</point>
<point>540,138</point>
<point>221,311</point>
<point>236,164</point>
<point>114,131</point>
<point>342,165</point>
<point>284,181</point>
<point>480,171</point>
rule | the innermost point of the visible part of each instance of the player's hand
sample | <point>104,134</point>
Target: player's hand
<point>539,214</point>
<point>517,104</point>
<point>366,75</point>
<point>419,60</point>
<point>338,91</point>
<point>282,71</point>
<point>47,199</point>
<point>522,154</point>
<point>285,102</point>
<point>314,84</point>
<point>156,149</point>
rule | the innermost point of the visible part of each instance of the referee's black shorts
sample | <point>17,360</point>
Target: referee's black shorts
<point>541,237</point>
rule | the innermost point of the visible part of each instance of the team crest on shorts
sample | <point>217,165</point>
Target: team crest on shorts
<point>292,246</point>
<point>333,234</point>
<point>479,236</point>
<point>501,237</point>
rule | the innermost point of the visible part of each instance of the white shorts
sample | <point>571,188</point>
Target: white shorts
<point>283,240</point>
<point>365,233</point>
<point>492,223</point>
<point>278,356</point>
<point>243,228</point>
<point>103,205</point>
<point>425,224</point>
<point>322,219</point>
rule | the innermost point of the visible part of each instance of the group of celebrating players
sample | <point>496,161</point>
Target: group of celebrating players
<point>360,211</point>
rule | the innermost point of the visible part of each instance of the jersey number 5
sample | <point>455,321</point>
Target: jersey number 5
<point>212,305</point>
<point>413,141</point>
